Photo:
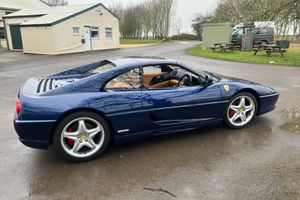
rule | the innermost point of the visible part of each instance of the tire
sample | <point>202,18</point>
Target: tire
<point>238,115</point>
<point>81,137</point>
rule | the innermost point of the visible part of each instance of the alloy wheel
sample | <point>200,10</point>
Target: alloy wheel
<point>82,137</point>
<point>241,110</point>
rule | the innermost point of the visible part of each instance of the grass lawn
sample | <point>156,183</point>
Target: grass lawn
<point>139,41</point>
<point>291,57</point>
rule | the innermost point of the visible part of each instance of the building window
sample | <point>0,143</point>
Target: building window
<point>94,32</point>
<point>2,34</point>
<point>108,32</point>
<point>76,30</point>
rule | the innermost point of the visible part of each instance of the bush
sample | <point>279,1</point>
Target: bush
<point>184,36</point>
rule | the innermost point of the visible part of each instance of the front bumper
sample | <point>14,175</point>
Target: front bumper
<point>267,103</point>
<point>35,133</point>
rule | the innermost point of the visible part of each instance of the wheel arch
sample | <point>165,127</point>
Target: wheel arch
<point>254,93</point>
<point>75,110</point>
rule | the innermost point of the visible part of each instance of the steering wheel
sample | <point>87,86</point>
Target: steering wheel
<point>185,80</point>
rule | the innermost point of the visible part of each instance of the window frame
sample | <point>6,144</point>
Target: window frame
<point>111,32</point>
<point>76,33</point>
<point>98,30</point>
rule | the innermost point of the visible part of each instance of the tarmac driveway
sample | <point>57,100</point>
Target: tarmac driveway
<point>261,161</point>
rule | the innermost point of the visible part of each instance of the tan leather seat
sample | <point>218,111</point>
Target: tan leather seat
<point>164,84</point>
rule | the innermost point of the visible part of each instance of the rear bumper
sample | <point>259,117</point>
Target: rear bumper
<point>267,103</point>
<point>34,133</point>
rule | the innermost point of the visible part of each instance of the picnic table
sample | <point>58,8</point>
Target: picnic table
<point>223,46</point>
<point>269,49</point>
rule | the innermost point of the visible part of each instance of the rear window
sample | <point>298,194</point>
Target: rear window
<point>106,66</point>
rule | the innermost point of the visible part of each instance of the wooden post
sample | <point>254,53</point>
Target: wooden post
<point>247,40</point>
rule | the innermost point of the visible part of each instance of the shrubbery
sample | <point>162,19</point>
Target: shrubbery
<point>185,36</point>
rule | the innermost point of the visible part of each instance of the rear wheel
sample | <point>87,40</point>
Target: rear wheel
<point>240,110</point>
<point>81,136</point>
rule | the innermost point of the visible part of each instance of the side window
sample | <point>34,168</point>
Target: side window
<point>256,31</point>
<point>152,73</point>
<point>168,76</point>
<point>127,81</point>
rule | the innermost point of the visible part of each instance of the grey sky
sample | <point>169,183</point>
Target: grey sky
<point>185,8</point>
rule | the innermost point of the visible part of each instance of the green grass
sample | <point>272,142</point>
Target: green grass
<point>291,57</point>
<point>139,41</point>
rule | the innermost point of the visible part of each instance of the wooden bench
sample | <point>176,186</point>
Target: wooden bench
<point>270,49</point>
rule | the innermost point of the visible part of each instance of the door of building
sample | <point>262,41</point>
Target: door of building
<point>16,37</point>
<point>87,37</point>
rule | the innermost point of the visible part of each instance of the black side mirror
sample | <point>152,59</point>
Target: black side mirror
<point>208,80</point>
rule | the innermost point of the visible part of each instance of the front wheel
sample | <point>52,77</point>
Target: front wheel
<point>81,136</point>
<point>240,110</point>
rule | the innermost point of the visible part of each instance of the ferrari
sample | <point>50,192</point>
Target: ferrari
<point>82,110</point>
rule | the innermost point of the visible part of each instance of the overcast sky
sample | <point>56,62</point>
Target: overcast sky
<point>185,8</point>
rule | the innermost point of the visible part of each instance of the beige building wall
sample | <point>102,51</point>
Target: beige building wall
<point>2,41</point>
<point>14,21</point>
<point>38,40</point>
<point>67,42</point>
<point>2,13</point>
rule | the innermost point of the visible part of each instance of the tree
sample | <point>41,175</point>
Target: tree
<point>140,20</point>
<point>198,22</point>
<point>56,2</point>
<point>285,13</point>
<point>177,26</point>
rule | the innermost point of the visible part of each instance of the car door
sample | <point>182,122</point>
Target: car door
<point>123,102</point>
<point>174,108</point>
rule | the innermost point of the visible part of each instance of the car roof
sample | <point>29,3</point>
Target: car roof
<point>139,60</point>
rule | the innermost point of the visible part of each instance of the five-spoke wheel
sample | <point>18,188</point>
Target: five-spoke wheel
<point>81,136</point>
<point>240,110</point>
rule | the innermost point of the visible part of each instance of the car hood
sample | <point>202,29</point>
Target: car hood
<point>239,84</point>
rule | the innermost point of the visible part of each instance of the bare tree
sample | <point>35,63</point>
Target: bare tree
<point>56,2</point>
<point>177,26</point>
<point>285,13</point>
<point>140,20</point>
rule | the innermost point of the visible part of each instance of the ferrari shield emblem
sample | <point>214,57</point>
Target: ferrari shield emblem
<point>226,87</point>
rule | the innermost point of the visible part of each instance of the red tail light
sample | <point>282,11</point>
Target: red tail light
<point>18,106</point>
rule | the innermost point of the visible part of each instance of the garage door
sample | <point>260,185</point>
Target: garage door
<point>16,37</point>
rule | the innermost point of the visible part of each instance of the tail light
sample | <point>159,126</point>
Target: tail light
<point>273,37</point>
<point>18,106</point>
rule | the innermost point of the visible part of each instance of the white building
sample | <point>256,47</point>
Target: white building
<point>62,29</point>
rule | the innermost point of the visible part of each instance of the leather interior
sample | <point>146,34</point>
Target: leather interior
<point>149,76</point>
<point>169,83</point>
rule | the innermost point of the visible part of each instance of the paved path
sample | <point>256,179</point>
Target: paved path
<point>261,161</point>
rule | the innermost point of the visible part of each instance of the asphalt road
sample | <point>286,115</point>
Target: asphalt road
<point>261,161</point>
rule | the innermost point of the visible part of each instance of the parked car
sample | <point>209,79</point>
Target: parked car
<point>262,35</point>
<point>81,110</point>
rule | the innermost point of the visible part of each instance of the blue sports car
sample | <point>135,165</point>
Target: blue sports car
<point>81,110</point>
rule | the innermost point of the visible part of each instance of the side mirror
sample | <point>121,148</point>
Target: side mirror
<point>208,80</point>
